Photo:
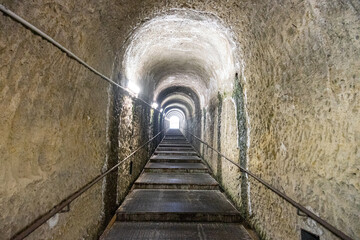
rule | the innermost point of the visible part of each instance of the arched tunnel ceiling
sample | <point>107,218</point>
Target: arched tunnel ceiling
<point>162,94</point>
<point>181,48</point>
<point>179,94</point>
<point>179,99</point>
<point>176,112</point>
<point>178,106</point>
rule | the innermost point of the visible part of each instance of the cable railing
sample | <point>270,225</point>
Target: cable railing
<point>297,205</point>
<point>70,54</point>
<point>66,202</point>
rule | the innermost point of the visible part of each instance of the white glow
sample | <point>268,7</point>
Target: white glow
<point>133,88</point>
<point>183,47</point>
<point>154,105</point>
<point>161,110</point>
<point>174,122</point>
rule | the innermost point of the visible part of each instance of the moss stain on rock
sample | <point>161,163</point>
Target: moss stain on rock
<point>238,97</point>
<point>218,143</point>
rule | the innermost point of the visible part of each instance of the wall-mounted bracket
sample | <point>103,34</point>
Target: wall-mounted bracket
<point>65,209</point>
<point>300,213</point>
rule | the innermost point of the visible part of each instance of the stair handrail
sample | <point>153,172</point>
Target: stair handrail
<point>297,205</point>
<point>57,208</point>
<point>72,55</point>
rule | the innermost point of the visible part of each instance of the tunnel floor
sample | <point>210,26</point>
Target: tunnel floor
<point>175,197</point>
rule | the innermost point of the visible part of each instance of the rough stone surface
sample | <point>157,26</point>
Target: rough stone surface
<point>302,85</point>
<point>54,120</point>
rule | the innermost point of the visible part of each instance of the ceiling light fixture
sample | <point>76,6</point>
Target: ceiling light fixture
<point>133,88</point>
<point>154,105</point>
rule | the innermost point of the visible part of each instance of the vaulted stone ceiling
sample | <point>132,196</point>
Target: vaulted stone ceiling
<point>184,49</point>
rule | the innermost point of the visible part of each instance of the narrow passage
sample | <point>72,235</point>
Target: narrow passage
<point>175,197</point>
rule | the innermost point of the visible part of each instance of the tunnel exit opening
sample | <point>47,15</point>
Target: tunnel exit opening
<point>174,119</point>
<point>174,122</point>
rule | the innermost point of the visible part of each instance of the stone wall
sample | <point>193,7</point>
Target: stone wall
<point>134,119</point>
<point>302,79</point>
<point>56,120</point>
<point>53,123</point>
<point>222,134</point>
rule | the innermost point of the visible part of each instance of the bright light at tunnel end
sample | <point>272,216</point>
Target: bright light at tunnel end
<point>174,122</point>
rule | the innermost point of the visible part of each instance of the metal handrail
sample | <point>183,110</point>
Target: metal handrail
<point>42,219</point>
<point>297,205</point>
<point>45,36</point>
<point>27,230</point>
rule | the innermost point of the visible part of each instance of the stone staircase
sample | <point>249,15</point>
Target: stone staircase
<point>175,197</point>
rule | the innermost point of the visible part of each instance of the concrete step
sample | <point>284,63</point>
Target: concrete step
<point>175,159</point>
<point>184,153</point>
<point>174,148</point>
<point>175,167</point>
<point>177,205</point>
<point>175,145</point>
<point>172,139</point>
<point>175,142</point>
<point>180,139</point>
<point>176,231</point>
<point>170,132</point>
<point>174,132</point>
<point>198,181</point>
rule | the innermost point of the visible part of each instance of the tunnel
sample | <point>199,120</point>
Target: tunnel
<point>264,94</point>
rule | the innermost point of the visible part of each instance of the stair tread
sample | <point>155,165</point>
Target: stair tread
<point>173,148</point>
<point>176,231</point>
<point>176,143</point>
<point>175,165</point>
<point>175,157</point>
<point>176,201</point>
<point>172,138</point>
<point>176,152</point>
<point>176,160</point>
<point>176,198</point>
<point>180,178</point>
